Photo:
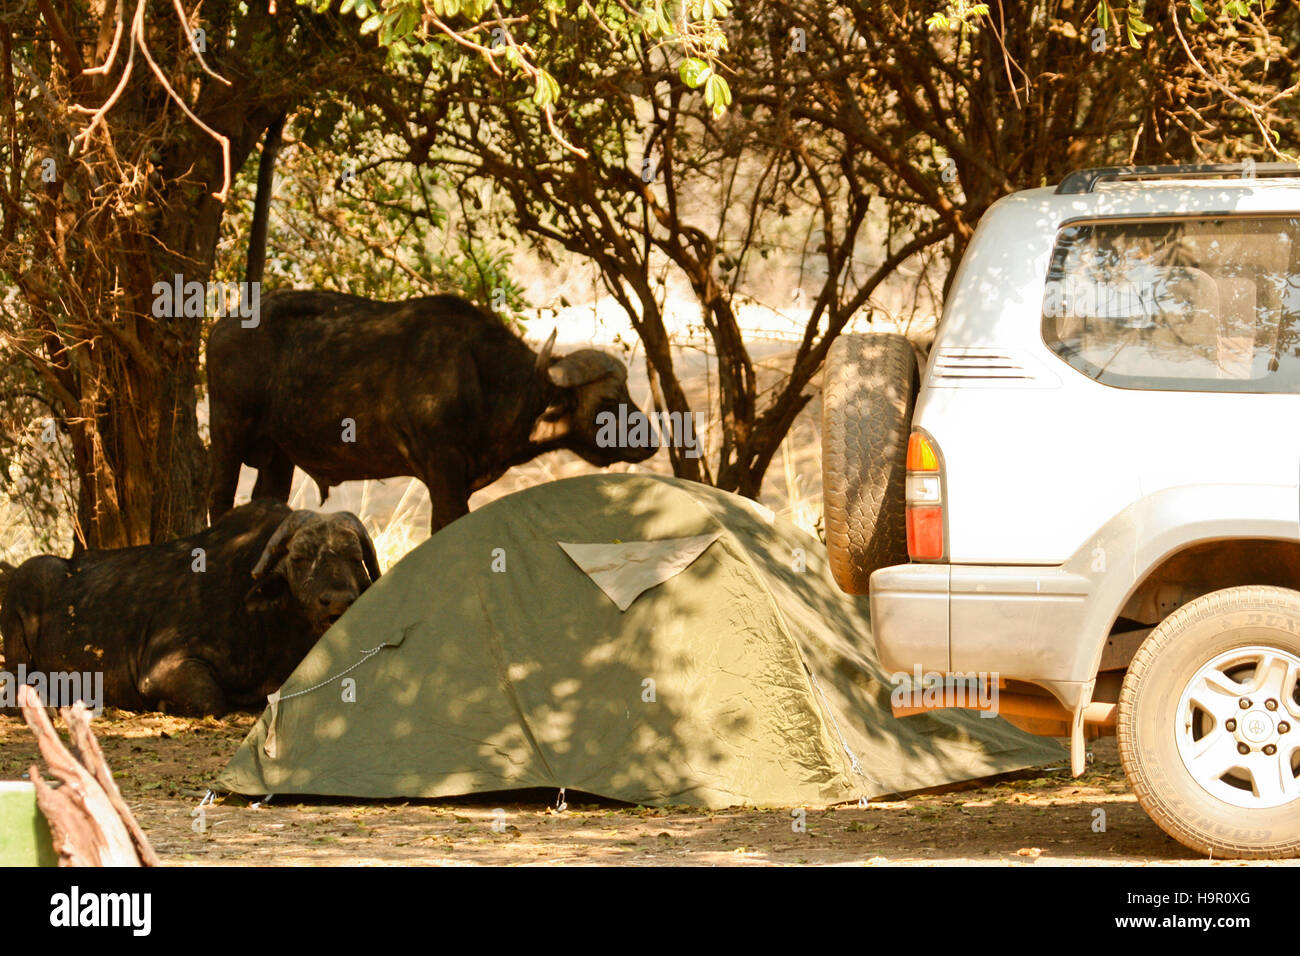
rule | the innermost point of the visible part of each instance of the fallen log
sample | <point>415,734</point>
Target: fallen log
<point>90,823</point>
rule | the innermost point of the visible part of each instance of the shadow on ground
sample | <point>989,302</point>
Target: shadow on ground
<point>1037,818</point>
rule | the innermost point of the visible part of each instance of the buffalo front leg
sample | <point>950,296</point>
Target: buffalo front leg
<point>274,477</point>
<point>186,685</point>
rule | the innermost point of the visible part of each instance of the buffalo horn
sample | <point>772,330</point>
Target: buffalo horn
<point>278,545</point>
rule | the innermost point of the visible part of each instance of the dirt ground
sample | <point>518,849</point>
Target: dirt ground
<point>164,766</point>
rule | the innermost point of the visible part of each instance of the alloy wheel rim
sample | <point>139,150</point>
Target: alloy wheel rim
<point>1238,727</point>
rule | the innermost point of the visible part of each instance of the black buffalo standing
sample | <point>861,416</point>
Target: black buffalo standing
<point>348,388</point>
<point>170,636</point>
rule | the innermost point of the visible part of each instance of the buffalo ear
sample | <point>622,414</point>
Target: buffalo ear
<point>270,591</point>
<point>584,367</point>
<point>368,556</point>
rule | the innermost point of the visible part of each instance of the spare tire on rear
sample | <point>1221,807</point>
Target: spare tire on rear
<point>869,389</point>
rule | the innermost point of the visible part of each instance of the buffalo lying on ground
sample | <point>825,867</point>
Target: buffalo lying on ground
<point>348,388</point>
<point>199,625</point>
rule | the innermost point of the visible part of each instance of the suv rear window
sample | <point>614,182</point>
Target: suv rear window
<point>1190,305</point>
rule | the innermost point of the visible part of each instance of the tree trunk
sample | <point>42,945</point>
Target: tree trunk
<point>146,468</point>
<point>99,209</point>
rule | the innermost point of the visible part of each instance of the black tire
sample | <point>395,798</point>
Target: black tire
<point>868,392</point>
<point>1218,626</point>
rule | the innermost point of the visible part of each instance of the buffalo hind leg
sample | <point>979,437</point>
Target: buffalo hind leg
<point>185,685</point>
<point>448,499</point>
<point>275,477</point>
<point>29,607</point>
<point>226,461</point>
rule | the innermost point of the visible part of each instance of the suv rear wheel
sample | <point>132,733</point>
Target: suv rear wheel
<point>869,389</point>
<point>1209,723</point>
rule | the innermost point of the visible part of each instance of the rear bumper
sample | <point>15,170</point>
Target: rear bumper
<point>909,616</point>
<point>1023,623</point>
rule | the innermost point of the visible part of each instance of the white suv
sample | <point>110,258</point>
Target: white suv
<point>1098,473</point>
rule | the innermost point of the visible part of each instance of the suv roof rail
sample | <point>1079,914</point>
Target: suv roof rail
<point>1084,180</point>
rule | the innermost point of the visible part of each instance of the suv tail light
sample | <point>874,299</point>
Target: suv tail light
<point>924,499</point>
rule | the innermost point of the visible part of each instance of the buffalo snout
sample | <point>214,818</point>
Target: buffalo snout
<point>616,431</point>
<point>642,442</point>
<point>331,604</point>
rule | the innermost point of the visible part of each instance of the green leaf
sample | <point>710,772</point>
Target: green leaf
<point>1198,10</point>
<point>694,71</point>
<point>717,94</point>
<point>545,89</point>
<point>372,23</point>
<point>409,20</point>
<point>655,23</point>
<point>1136,27</point>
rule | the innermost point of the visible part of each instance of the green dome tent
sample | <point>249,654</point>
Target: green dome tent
<point>641,638</point>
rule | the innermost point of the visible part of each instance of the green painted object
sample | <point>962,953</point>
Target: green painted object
<point>24,834</point>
